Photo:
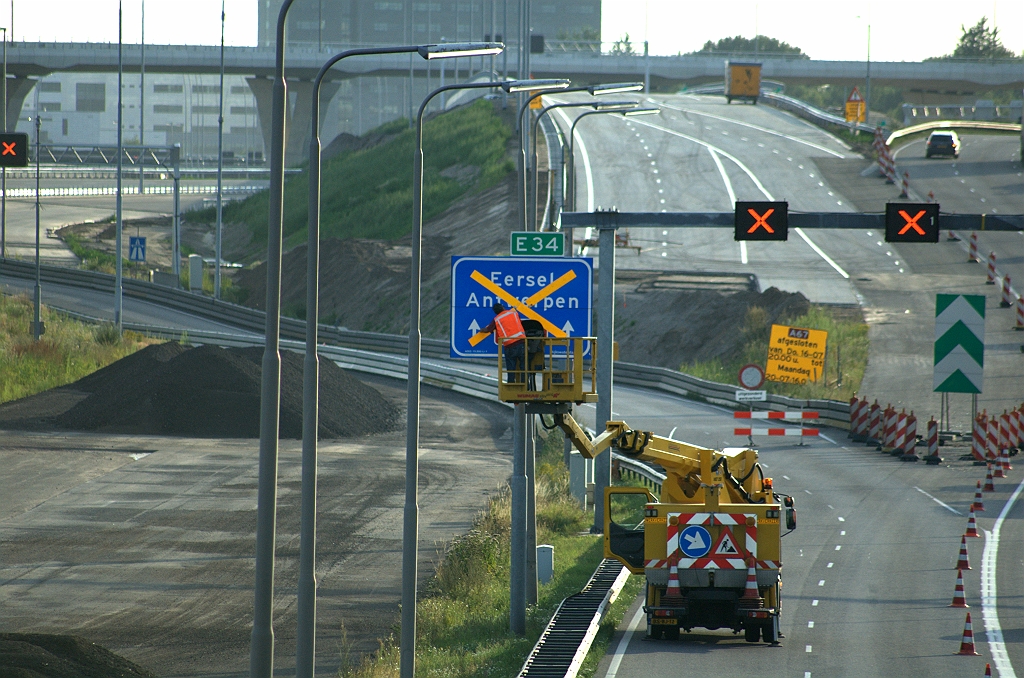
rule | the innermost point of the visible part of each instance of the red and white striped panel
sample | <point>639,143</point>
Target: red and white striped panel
<point>1004,431</point>
<point>739,520</point>
<point>910,439</point>
<point>788,416</point>
<point>992,437</point>
<point>978,438</point>
<point>860,426</point>
<point>901,431</point>
<point>775,431</point>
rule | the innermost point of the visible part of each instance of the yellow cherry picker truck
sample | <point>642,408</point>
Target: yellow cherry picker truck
<point>710,548</point>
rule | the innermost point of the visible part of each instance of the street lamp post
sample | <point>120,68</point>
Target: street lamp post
<point>306,633</point>
<point>220,165</point>
<point>3,171</point>
<point>597,106</point>
<point>594,90</point>
<point>410,534</point>
<point>37,324</point>
<point>118,227</point>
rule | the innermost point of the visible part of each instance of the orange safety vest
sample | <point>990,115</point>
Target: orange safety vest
<point>508,326</point>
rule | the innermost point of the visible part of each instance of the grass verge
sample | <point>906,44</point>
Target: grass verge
<point>846,354</point>
<point>68,350</point>
<point>368,193</point>
<point>463,613</point>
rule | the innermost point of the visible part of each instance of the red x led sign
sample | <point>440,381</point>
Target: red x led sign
<point>14,150</point>
<point>911,222</point>
<point>762,220</point>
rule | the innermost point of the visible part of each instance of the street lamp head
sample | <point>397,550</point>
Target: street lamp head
<point>460,49</point>
<point>642,111</point>
<point>615,88</point>
<point>512,86</point>
<point>614,105</point>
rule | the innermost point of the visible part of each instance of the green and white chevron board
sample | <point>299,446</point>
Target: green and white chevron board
<point>959,343</point>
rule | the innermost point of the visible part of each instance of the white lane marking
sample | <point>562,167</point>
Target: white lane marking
<point>786,477</point>
<point>989,611</point>
<point>830,565</point>
<point>820,253</point>
<point>814,603</point>
<point>821,582</point>
<point>807,491</point>
<point>938,501</point>
<point>620,649</point>
<point>842,533</point>
<point>842,520</point>
<point>832,507</point>
<point>753,178</point>
<point>822,435</point>
<point>807,674</point>
<point>839,547</point>
<point>807,648</point>
<point>672,432</point>
<point>757,127</point>
<point>810,624</point>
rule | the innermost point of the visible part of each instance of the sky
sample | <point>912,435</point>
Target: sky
<point>901,30</point>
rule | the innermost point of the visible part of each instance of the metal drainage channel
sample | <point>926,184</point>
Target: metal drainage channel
<point>563,646</point>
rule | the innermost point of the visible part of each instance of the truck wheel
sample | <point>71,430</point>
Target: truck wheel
<point>752,633</point>
<point>771,631</point>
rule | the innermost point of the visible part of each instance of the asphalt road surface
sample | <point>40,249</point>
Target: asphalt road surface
<point>701,154</point>
<point>145,544</point>
<point>868,573</point>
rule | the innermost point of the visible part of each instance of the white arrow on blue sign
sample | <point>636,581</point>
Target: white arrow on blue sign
<point>554,291</point>
<point>136,248</point>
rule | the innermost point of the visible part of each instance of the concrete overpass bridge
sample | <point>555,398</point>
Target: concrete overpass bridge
<point>939,80</point>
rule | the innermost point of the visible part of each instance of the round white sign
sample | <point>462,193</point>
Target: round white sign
<point>751,377</point>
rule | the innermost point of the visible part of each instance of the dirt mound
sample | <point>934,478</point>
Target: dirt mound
<point>667,328</point>
<point>208,392</point>
<point>39,655</point>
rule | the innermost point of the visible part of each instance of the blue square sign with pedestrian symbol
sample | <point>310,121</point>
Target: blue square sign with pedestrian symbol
<point>136,248</point>
<point>554,291</point>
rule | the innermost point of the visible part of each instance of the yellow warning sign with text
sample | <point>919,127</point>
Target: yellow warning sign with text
<point>537,104</point>
<point>855,107</point>
<point>795,355</point>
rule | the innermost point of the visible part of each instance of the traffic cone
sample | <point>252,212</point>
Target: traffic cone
<point>961,562</point>
<point>750,591</point>
<point>998,473</point>
<point>972,526</point>
<point>978,505</point>
<point>989,487</point>
<point>672,591</point>
<point>1004,460</point>
<point>958,593</point>
<point>967,643</point>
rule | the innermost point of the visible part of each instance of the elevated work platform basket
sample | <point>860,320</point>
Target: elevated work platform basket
<point>557,370</point>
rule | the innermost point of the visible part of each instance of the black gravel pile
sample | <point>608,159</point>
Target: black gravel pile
<point>39,655</point>
<point>211,392</point>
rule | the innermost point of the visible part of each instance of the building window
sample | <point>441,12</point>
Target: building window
<point>205,89</point>
<point>49,87</point>
<point>242,110</point>
<point>388,6</point>
<point>166,108</point>
<point>239,89</point>
<point>49,106</point>
<point>168,128</point>
<point>162,89</point>
<point>90,97</point>
<point>205,109</point>
<point>64,126</point>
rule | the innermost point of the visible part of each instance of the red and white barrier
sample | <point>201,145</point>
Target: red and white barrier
<point>854,404</point>
<point>972,256</point>
<point>889,434</point>
<point>1004,431</point>
<point>775,431</point>
<point>874,424</point>
<point>910,439</point>
<point>1019,314</point>
<point>992,439</point>
<point>788,416</point>
<point>978,438</point>
<point>1008,295</point>
<point>901,432</point>
<point>860,428</point>
<point>905,185</point>
<point>992,275</point>
<point>932,437</point>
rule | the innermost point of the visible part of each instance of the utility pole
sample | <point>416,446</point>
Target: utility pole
<point>142,101</point>
<point>220,163</point>
<point>3,174</point>
<point>118,224</point>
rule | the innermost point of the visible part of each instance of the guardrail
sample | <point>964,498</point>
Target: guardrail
<point>953,124</point>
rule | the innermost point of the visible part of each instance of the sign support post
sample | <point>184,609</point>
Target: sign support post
<point>607,223</point>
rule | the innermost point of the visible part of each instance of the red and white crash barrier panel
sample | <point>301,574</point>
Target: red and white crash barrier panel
<point>992,437</point>
<point>788,416</point>
<point>932,440</point>
<point>1008,293</point>
<point>991,274</point>
<point>910,439</point>
<point>889,429</point>
<point>1019,313</point>
<point>978,438</point>
<point>775,431</point>
<point>874,424</point>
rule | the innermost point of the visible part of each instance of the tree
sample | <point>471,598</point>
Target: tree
<point>623,47</point>
<point>980,42</point>
<point>762,43</point>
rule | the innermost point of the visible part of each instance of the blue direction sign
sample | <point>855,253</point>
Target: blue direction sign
<point>554,291</point>
<point>136,248</point>
<point>695,541</point>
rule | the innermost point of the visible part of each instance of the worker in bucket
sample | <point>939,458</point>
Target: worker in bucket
<point>508,326</point>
